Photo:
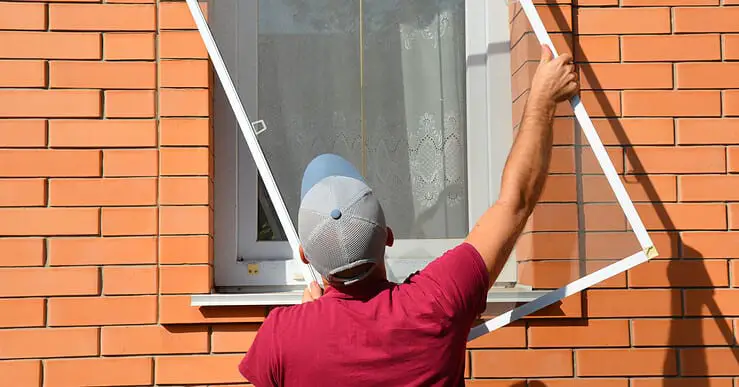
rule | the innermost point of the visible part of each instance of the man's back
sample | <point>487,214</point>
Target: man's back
<point>413,334</point>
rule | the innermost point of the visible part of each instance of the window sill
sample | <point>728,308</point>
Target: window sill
<point>516,294</point>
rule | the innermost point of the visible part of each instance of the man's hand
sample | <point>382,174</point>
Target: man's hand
<point>555,79</point>
<point>312,292</point>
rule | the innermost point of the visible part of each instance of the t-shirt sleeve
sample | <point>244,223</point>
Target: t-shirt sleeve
<point>459,282</point>
<point>260,366</point>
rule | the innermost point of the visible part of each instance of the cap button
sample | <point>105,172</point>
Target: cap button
<point>336,214</point>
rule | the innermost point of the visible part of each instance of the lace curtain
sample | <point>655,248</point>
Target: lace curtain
<point>387,93</point>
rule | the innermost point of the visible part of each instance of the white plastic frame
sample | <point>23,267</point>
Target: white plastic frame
<point>583,119</point>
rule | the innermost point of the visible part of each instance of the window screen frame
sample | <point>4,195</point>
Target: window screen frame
<point>489,126</point>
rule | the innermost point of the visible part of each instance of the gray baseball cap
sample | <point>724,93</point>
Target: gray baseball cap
<point>341,224</point>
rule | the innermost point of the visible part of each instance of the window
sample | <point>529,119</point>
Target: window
<point>416,93</point>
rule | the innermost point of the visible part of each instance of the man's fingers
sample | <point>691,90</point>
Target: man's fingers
<point>307,297</point>
<point>315,290</point>
<point>546,53</point>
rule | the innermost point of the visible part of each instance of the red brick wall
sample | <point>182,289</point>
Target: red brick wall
<point>106,200</point>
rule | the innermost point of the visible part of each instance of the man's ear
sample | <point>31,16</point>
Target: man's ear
<point>390,237</point>
<point>302,255</point>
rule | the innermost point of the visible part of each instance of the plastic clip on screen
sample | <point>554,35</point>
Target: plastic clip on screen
<point>423,97</point>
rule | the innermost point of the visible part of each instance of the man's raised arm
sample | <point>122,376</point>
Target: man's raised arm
<point>495,234</point>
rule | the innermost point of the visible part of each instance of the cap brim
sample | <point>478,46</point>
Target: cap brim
<point>324,166</point>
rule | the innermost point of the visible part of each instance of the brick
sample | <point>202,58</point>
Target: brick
<point>709,361</point>
<point>735,281</point>
<point>128,221</point>
<point>49,45</point>
<point>102,17</point>
<point>586,382</point>
<point>683,216</point>
<point>513,363</point>
<point>494,382</point>
<point>730,100</point>
<point>184,161</point>
<point>103,75</point>
<point>177,310</point>
<point>600,246</point>
<point>22,192</point>
<point>49,221</point>
<point>556,18</point>
<point>613,303</point>
<point>604,21</point>
<point>184,73</point>
<point>176,16</point>
<point>184,102</point>
<point>129,46</point>
<point>181,45</point>
<point>22,312</point>
<point>185,220</point>
<point>185,249</point>
<point>129,280</point>
<point>22,372</point>
<point>680,332</point>
<point>184,190</point>
<point>641,188</point>
<point>554,217</point>
<point>51,163</point>
<point>154,339</point>
<point>22,73</point>
<point>22,252</point>
<point>22,133</point>
<point>129,103</point>
<point>731,47</point>
<point>185,131</point>
<point>102,251</point>
<point>136,371</point>
<point>102,133</point>
<point>679,274</point>
<point>14,16</point>
<point>103,192</point>
<point>559,188</point>
<point>705,302</point>
<point>604,217</point>
<point>130,162</point>
<point>647,48</point>
<point>547,245</point>
<point>598,104</point>
<point>552,274</point>
<point>678,103</point>
<point>25,282</point>
<point>680,382</point>
<point>49,103</point>
<point>46,342</point>
<point>620,76</point>
<point>597,48</point>
<point>594,333</point>
<point>685,159</point>
<point>237,337</point>
<point>707,75</point>
<point>119,310</point>
<point>721,244</point>
<point>706,19</point>
<point>648,3</point>
<point>707,131</point>
<point>626,362</point>
<point>709,188</point>
<point>635,131</point>
<point>198,369</point>
<point>187,279</point>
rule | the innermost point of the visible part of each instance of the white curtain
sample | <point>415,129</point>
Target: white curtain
<point>387,93</point>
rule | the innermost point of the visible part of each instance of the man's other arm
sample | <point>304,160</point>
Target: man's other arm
<point>525,172</point>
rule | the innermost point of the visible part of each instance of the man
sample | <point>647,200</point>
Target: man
<point>366,331</point>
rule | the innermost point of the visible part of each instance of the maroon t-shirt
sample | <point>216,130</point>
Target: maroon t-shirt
<point>384,334</point>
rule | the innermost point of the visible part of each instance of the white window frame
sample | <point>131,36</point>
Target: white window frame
<point>267,265</point>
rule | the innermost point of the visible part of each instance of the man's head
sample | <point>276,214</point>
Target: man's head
<point>341,223</point>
